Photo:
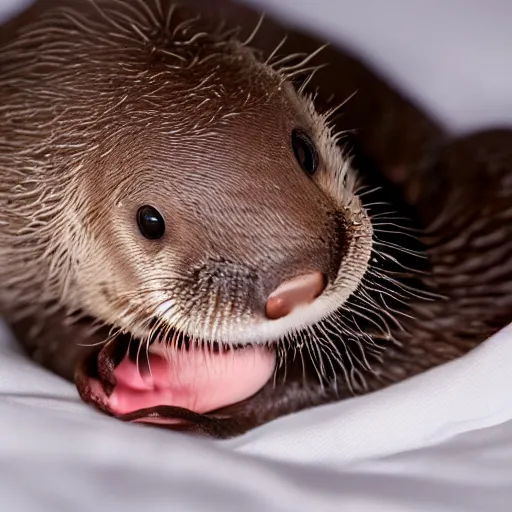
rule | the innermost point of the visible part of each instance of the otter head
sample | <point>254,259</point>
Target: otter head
<point>201,205</point>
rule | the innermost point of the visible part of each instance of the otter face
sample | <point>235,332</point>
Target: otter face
<point>239,237</point>
<point>212,214</point>
<point>222,233</point>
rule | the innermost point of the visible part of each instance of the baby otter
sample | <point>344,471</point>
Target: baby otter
<point>191,234</point>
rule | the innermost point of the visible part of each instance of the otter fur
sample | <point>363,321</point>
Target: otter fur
<point>197,218</point>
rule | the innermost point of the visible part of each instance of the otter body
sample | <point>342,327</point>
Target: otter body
<point>191,233</point>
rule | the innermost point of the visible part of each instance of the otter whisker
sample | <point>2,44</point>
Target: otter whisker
<point>409,291</point>
<point>383,328</point>
<point>303,362</point>
<point>287,69</point>
<point>217,319</point>
<point>285,344</point>
<point>352,360</point>
<point>253,34</point>
<point>315,342</point>
<point>331,346</point>
<point>416,233</point>
<point>399,248</point>
<point>330,355</point>
<point>168,18</point>
<point>385,215</point>
<point>369,346</point>
<point>159,9</point>
<point>337,321</point>
<point>145,38</point>
<point>181,27</point>
<point>363,361</point>
<point>368,206</point>
<point>382,292</point>
<point>310,347</point>
<point>371,302</point>
<point>402,232</point>
<point>287,58</point>
<point>275,51</point>
<point>153,20</point>
<point>368,192</point>
<point>327,348</point>
<point>382,255</point>
<point>81,23</point>
<point>307,81</point>
<point>311,71</point>
<point>109,19</point>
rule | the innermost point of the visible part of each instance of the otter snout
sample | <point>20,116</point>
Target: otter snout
<point>294,293</point>
<point>270,275</point>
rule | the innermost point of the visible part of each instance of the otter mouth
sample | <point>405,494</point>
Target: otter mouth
<point>173,382</point>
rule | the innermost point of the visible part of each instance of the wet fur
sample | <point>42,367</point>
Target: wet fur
<point>408,313</point>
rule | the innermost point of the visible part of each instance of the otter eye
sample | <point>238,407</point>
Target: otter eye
<point>305,151</point>
<point>150,222</point>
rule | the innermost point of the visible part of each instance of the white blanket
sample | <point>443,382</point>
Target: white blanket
<point>439,442</point>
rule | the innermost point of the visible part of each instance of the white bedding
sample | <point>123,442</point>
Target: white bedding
<point>439,442</point>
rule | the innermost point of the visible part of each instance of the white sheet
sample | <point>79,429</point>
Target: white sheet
<point>439,442</point>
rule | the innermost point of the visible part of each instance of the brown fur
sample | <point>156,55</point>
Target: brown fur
<point>202,131</point>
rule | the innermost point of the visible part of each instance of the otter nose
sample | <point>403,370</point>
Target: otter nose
<point>298,291</point>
